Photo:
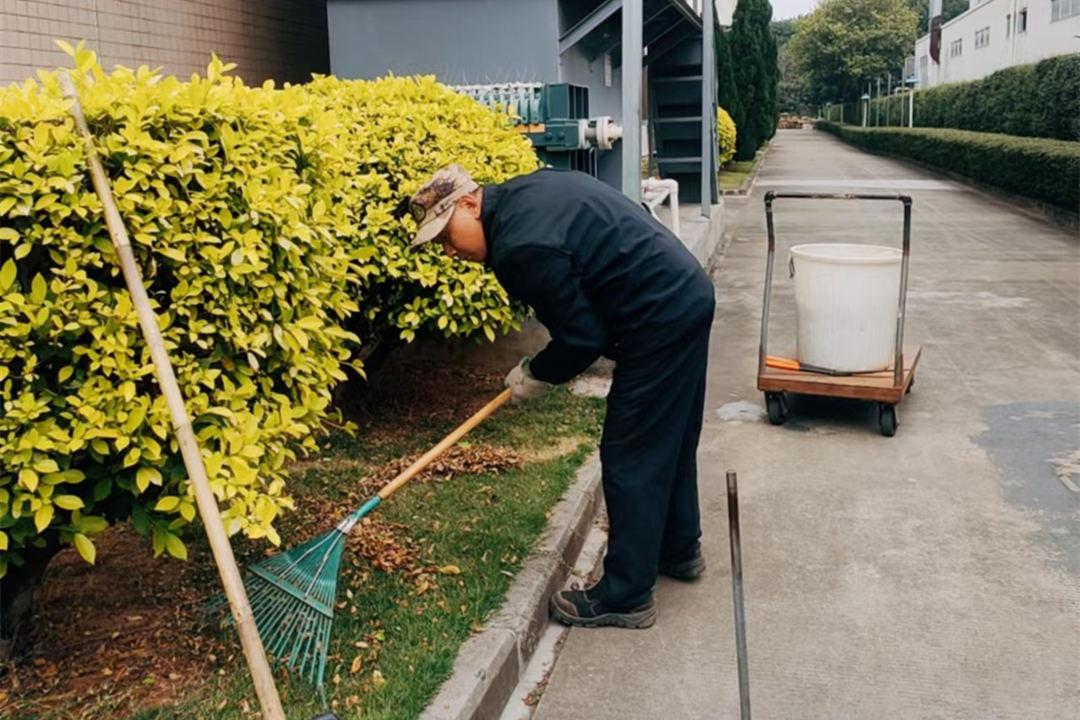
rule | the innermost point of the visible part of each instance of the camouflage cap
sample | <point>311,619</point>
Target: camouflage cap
<point>432,205</point>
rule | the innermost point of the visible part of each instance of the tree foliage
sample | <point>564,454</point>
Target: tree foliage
<point>793,90</point>
<point>727,94</point>
<point>845,44</point>
<point>783,30</point>
<point>756,75</point>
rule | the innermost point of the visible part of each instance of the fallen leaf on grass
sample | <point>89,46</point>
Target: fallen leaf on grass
<point>356,663</point>
<point>450,570</point>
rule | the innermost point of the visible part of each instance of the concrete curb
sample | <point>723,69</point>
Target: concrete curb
<point>702,235</point>
<point>490,663</point>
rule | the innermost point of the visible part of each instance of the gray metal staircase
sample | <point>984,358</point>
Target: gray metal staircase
<point>675,116</point>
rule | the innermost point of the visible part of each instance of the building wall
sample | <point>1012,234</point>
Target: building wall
<point>1007,45</point>
<point>489,41</point>
<point>283,40</point>
<point>465,42</point>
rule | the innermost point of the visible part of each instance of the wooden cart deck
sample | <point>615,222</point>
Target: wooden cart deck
<point>877,386</point>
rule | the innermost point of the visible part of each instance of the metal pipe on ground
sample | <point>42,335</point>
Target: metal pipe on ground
<point>737,594</point>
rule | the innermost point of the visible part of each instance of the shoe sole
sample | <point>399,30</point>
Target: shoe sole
<point>686,573</point>
<point>632,620</point>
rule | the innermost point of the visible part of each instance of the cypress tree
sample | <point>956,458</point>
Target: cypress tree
<point>727,95</point>
<point>755,73</point>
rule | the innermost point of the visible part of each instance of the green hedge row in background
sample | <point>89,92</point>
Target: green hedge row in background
<point>1040,100</point>
<point>1038,168</point>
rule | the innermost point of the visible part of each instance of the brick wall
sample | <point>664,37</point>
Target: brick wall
<point>285,40</point>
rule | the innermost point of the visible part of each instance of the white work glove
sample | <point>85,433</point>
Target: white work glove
<point>524,385</point>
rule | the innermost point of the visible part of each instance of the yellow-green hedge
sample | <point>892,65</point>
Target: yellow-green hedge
<point>264,223</point>
<point>726,135</point>
<point>397,132</point>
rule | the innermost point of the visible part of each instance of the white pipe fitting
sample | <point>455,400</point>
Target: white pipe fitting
<point>603,132</point>
<point>656,190</point>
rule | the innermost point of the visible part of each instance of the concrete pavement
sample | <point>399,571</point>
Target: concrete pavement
<point>935,574</point>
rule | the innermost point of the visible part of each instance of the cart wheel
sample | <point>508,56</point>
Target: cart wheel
<point>776,406</point>
<point>887,419</point>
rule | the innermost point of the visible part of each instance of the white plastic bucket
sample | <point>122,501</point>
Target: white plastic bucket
<point>846,299</point>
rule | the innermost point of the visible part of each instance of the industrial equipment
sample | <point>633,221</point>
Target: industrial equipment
<point>556,119</point>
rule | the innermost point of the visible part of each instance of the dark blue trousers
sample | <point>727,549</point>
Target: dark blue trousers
<point>649,455</point>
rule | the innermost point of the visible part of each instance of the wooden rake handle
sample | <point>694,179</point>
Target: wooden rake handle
<point>427,458</point>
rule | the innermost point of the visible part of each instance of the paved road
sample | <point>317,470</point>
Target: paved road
<point>931,575</point>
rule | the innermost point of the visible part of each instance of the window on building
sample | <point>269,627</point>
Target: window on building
<point>924,71</point>
<point>1008,25</point>
<point>956,48</point>
<point>982,37</point>
<point>1021,21</point>
<point>1061,9</point>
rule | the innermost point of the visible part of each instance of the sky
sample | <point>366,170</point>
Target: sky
<point>783,9</point>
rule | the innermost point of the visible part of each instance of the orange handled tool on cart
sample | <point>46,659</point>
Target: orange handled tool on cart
<point>782,363</point>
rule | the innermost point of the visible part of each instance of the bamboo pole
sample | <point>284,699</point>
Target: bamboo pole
<point>261,676</point>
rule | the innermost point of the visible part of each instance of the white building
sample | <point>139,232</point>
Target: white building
<point>996,34</point>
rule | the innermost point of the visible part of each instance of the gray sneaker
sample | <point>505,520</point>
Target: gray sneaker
<point>575,607</point>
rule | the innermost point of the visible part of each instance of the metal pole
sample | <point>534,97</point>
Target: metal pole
<point>631,98</point>
<point>737,594</point>
<point>901,311</point>
<point>888,100</point>
<point>877,104</point>
<point>770,255</point>
<point>708,114</point>
<point>911,107</point>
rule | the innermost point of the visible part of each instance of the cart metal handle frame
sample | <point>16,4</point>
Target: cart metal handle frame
<point>770,196</point>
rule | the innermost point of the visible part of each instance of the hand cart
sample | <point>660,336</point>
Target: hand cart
<point>887,387</point>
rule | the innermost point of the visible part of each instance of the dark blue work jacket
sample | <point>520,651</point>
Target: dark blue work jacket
<point>603,275</point>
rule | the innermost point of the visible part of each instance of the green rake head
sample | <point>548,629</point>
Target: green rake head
<point>292,599</point>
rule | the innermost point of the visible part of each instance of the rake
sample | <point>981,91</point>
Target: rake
<point>292,593</point>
